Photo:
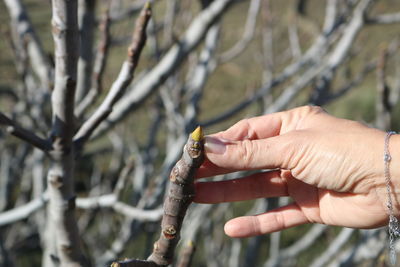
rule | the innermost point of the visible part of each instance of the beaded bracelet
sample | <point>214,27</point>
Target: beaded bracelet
<point>394,229</point>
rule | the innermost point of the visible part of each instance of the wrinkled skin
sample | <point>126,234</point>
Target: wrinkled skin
<point>331,168</point>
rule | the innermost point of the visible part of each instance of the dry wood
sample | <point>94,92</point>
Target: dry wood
<point>122,82</point>
<point>186,256</point>
<point>181,194</point>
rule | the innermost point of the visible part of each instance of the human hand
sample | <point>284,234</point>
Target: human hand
<point>332,169</point>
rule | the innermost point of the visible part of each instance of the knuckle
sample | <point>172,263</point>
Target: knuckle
<point>311,109</point>
<point>279,220</point>
<point>256,226</point>
<point>245,129</point>
<point>246,152</point>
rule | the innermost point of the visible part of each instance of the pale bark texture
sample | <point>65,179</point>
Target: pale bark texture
<point>60,177</point>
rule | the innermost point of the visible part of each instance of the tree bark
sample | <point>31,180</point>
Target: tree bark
<point>181,194</point>
<point>60,177</point>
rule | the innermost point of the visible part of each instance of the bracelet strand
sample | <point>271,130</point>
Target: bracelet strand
<point>394,229</point>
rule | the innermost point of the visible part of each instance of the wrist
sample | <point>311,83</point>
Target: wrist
<point>380,181</point>
<point>394,171</point>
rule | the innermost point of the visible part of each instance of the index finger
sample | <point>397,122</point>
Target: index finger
<point>256,128</point>
<point>252,128</point>
<point>269,125</point>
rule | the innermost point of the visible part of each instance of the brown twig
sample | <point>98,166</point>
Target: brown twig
<point>167,64</point>
<point>134,263</point>
<point>26,135</point>
<point>124,78</point>
<point>181,194</point>
<point>186,256</point>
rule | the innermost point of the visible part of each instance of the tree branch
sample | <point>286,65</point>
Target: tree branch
<point>105,201</point>
<point>337,57</point>
<point>134,8</point>
<point>172,60</point>
<point>124,78</point>
<point>186,255</point>
<point>22,212</point>
<point>313,54</point>
<point>248,33</point>
<point>99,65</point>
<point>134,263</point>
<point>60,177</point>
<point>371,246</point>
<point>384,19</point>
<point>181,194</point>
<point>23,134</point>
<point>333,248</point>
<point>38,58</point>
<point>110,201</point>
<point>86,21</point>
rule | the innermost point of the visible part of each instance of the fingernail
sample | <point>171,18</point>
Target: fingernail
<point>215,145</point>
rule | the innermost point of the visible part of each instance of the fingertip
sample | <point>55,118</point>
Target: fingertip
<point>214,145</point>
<point>231,229</point>
<point>241,227</point>
<point>265,223</point>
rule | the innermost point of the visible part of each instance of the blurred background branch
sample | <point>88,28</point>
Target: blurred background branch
<point>205,62</point>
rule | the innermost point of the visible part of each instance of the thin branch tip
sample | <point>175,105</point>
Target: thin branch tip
<point>10,129</point>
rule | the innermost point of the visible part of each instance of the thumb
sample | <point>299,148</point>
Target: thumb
<point>269,153</point>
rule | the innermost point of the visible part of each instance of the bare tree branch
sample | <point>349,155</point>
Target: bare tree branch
<point>24,134</point>
<point>110,201</point>
<point>371,246</point>
<point>22,212</point>
<point>134,8</point>
<point>60,175</point>
<point>186,255</point>
<point>290,253</point>
<point>336,57</point>
<point>198,77</point>
<point>124,78</point>
<point>334,248</point>
<point>312,55</point>
<point>181,194</point>
<point>127,178</point>
<point>248,33</point>
<point>384,19</point>
<point>105,201</point>
<point>86,22</point>
<point>8,92</point>
<point>36,54</point>
<point>99,66</point>
<point>134,263</point>
<point>148,84</point>
<point>294,39</point>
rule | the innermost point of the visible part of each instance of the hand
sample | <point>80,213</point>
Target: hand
<point>332,169</point>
